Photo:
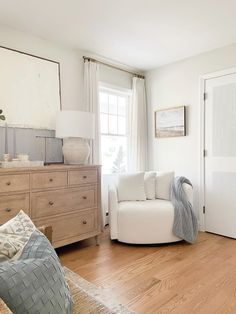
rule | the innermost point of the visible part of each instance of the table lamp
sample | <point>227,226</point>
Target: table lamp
<point>75,127</point>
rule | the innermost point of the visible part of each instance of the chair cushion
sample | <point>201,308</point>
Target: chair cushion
<point>150,185</point>
<point>163,184</point>
<point>146,222</point>
<point>130,187</point>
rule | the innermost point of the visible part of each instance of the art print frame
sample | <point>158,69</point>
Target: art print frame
<point>170,122</point>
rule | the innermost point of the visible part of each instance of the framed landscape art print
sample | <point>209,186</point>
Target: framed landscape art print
<point>170,122</point>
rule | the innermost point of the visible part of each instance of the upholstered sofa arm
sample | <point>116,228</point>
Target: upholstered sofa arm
<point>188,189</point>
<point>113,211</point>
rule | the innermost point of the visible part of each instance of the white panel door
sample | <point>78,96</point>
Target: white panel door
<point>220,160</point>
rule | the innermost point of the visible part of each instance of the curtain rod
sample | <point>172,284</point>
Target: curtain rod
<point>113,66</point>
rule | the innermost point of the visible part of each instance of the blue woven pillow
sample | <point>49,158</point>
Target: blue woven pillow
<point>35,282</point>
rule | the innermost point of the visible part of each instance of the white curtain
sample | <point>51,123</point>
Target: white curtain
<point>137,148</point>
<point>91,103</point>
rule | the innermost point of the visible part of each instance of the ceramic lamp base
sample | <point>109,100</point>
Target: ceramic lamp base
<point>76,151</point>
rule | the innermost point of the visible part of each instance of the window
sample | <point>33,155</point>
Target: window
<point>113,114</point>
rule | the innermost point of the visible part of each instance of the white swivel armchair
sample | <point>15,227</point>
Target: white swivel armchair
<point>144,222</point>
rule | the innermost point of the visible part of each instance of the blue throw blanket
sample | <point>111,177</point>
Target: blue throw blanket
<point>185,221</point>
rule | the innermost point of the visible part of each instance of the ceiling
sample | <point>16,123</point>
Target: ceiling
<point>143,34</point>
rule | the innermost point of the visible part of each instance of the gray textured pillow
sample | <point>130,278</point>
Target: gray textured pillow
<point>35,283</point>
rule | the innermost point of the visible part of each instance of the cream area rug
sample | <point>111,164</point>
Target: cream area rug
<point>89,299</point>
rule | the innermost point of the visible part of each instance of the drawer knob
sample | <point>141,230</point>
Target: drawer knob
<point>51,180</point>
<point>50,203</point>
<point>84,222</point>
<point>84,197</point>
<point>84,177</point>
<point>8,210</point>
<point>8,183</point>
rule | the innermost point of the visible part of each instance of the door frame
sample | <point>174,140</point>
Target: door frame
<point>202,86</point>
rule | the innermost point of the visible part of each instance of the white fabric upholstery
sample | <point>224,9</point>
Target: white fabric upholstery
<point>143,222</point>
<point>163,183</point>
<point>113,212</point>
<point>150,185</point>
<point>130,187</point>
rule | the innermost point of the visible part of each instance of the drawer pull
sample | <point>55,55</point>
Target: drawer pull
<point>84,222</point>
<point>84,177</point>
<point>50,203</point>
<point>84,197</point>
<point>8,210</point>
<point>50,180</point>
<point>8,183</point>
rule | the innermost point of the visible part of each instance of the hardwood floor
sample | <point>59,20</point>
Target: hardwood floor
<point>176,278</point>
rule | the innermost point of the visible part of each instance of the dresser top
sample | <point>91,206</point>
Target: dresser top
<point>52,167</point>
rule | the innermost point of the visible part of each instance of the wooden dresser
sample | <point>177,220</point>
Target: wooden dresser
<point>67,198</point>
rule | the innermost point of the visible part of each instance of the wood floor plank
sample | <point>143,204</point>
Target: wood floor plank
<point>177,278</point>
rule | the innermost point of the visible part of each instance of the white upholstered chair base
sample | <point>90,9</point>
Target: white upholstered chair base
<point>142,222</point>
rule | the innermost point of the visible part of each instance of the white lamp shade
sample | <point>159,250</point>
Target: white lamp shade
<point>75,124</point>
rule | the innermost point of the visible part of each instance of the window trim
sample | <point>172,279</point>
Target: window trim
<point>115,90</point>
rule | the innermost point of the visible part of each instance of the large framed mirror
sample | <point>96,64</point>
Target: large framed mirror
<point>30,97</point>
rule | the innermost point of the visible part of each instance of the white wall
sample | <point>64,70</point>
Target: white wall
<point>178,84</point>
<point>71,62</point>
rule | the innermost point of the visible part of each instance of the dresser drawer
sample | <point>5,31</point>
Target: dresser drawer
<point>66,227</point>
<point>49,180</point>
<point>11,205</point>
<point>45,204</point>
<point>82,177</point>
<point>14,182</point>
